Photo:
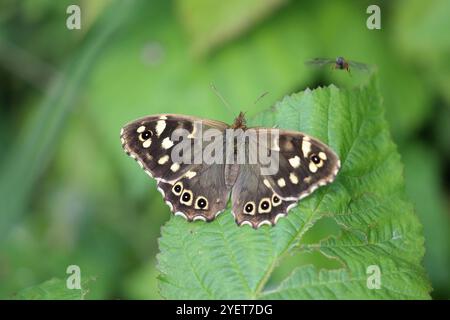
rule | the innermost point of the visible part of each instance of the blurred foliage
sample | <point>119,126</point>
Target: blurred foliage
<point>212,23</point>
<point>54,289</point>
<point>422,169</point>
<point>68,194</point>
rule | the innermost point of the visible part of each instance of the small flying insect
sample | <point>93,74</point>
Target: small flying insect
<point>338,63</point>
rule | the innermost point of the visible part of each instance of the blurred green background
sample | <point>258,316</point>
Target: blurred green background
<point>68,193</point>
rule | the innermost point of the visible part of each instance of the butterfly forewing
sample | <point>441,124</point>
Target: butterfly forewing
<point>304,164</point>
<point>150,141</point>
<point>194,190</point>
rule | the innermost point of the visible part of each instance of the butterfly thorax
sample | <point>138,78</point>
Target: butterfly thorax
<point>240,122</point>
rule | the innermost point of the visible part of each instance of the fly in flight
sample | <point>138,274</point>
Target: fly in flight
<point>338,63</point>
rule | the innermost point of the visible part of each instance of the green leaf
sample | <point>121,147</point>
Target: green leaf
<point>54,289</point>
<point>377,225</point>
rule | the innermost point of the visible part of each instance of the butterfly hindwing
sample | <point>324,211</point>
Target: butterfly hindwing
<point>200,194</point>
<point>254,202</point>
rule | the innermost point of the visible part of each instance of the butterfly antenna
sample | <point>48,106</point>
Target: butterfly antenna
<point>260,97</point>
<point>213,87</point>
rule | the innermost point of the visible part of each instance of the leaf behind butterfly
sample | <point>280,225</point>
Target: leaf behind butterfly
<point>377,226</point>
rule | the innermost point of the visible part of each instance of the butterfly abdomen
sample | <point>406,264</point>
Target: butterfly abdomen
<point>231,174</point>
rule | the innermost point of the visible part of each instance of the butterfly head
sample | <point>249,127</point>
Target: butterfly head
<point>240,122</point>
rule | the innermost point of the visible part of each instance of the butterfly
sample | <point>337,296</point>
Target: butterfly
<point>200,190</point>
<point>338,63</point>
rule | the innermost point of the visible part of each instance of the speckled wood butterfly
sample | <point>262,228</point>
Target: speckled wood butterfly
<point>199,190</point>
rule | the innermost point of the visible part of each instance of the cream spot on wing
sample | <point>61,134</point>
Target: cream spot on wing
<point>160,126</point>
<point>249,208</point>
<point>167,143</point>
<point>147,143</point>
<point>163,159</point>
<point>204,205</point>
<point>174,167</point>
<point>312,167</point>
<point>265,201</point>
<point>337,168</point>
<point>304,195</point>
<point>307,179</point>
<point>320,164</point>
<point>276,201</point>
<point>293,178</point>
<point>281,182</point>
<point>161,191</point>
<point>177,188</point>
<point>163,118</point>
<point>170,205</point>
<point>263,223</point>
<point>266,183</point>
<point>187,202</point>
<point>190,174</point>
<point>323,155</point>
<point>149,173</point>
<point>202,218</point>
<point>218,212</point>
<point>280,215</point>
<point>140,129</point>
<point>306,147</point>
<point>181,214</point>
<point>295,161</point>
